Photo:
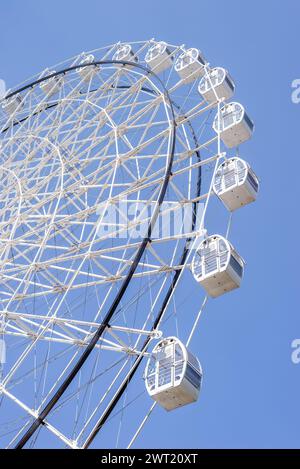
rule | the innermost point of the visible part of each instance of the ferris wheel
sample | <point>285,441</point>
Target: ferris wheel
<point>111,163</point>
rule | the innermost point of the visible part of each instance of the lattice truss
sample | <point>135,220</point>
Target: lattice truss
<point>68,159</point>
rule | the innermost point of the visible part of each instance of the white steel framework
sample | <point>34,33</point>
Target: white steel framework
<point>72,152</point>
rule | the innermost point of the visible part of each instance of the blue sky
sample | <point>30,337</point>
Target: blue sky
<point>250,396</point>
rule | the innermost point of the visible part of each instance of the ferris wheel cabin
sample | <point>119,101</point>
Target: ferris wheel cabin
<point>125,53</point>
<point>12,104</point>
<point>235,183</point>
<point>190,65</point>
<point>173,375</point>
<point>86,72</point>
<point>217,266</point>
<point>216,84</point>
<point>158,57</point>
<point>52,85</point>
<point>234,125</point>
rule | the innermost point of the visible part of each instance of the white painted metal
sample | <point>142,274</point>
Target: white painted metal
<point>190,65</point>
<point>234,125</point>
<point>87,72</point>
<point>12,104</point>
<point>235,183</point>
<point>2,88</point>
<point>217,266</point>
<point>173,375</point>
<point>216,84</point>
<point>124,52</point>
<point>52,85</point>
<point>158,57</point>
<point>91,149</point>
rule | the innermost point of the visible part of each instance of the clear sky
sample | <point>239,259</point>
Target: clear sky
<point>250,396</point>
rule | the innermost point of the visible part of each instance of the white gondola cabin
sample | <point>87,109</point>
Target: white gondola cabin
<point>124,52</point>
<point>158,57</point>
<point>216,84</point>
<point>173,375</point>
<point>234,125</point>
<point>190,65</point>
<point>12,104</point>
<point>217,266</point>
<point>86,72</point>
<point>235,183</point>
<point>51,85</point>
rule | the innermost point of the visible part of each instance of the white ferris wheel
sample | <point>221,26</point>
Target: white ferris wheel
<point>111,163</point>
